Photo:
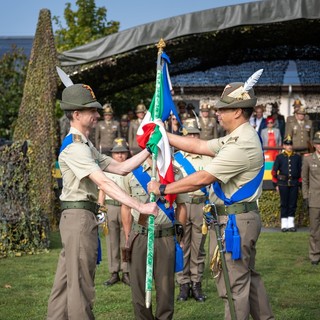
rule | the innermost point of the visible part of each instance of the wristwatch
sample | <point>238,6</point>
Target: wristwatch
<point>162,189</point>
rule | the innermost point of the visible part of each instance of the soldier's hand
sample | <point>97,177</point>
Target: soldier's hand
<point>153,187</point>
<point>149,208</point>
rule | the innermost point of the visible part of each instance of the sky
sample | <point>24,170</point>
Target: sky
<point>20,17</point>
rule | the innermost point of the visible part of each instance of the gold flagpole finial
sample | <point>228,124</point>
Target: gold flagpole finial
<point>161,44</point>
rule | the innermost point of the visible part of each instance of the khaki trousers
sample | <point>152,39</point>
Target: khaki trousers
<point>314,240</point>
<point>73,292</point>
<point>163,274</point>
<point>115,240</point>
<point>193,250</point>
<point>248,291</point>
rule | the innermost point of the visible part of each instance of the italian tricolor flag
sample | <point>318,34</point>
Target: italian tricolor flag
<point>154,136</point>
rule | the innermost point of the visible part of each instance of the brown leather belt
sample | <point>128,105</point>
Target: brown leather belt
<point>87,205</point>
<point>158,232</point>
<point>236,208</point>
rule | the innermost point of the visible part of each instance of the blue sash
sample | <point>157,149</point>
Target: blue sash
<point>189,169</point>
<point>144,178</point>
<point>244,192</point>
<point>66,141</point>
<point>232,236</point>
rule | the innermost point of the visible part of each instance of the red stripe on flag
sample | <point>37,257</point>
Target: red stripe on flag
<point>168,179</point>
<point>147,131</point>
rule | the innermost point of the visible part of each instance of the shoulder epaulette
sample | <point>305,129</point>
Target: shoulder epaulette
<point>69,139</point>
<point>76,138</point>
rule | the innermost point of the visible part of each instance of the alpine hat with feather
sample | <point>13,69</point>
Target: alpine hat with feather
<point>76,96</point>
<point>239,94</point>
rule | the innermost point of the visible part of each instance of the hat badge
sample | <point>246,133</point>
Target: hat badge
<point>91,91</point>
<point>118,141</point>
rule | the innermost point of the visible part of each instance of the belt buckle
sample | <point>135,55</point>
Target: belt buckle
<point>143,230</point>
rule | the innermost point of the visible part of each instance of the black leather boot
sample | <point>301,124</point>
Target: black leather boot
<point>114,279</point>
<point>184,292</point>
<point>126,279</point>
<point>197,292</point>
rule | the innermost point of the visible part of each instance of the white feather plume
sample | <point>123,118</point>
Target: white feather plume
<point>252,80</point>
<point>64,77</point>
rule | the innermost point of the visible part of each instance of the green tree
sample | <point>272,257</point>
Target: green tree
<point>86,24</point>
<point>36,122</point>
<point>13,67</point>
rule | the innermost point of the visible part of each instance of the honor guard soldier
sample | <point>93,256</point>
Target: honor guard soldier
<point>72,295</point>
<point>115,238</point>
<point>236,170</point>
<point>311,195</point>
<point>193,241</point>
<point>106,130</point>
<point>208,126</point>
<point>286,177</point>
<point>300,130</point>
<point>133,128</point>
<point>164,245</point>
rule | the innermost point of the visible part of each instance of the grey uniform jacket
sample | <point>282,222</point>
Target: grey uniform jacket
<point>264,136</point>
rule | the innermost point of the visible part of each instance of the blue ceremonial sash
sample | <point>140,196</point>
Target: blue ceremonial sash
<point>144,178</point>
<point>242,193</point>
<point>232,236</point>
<point>66,141</point>
<point>189,169</point>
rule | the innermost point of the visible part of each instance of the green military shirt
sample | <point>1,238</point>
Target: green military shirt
<point>198,162</point>
<point>238,160</point>
<point>208,128</point>
<point>133,187</point>
<point>106,132</point>
<point>77,161</point>
<point>118,179</point>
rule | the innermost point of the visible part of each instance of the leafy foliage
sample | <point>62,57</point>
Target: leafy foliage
<point>86,24</point>
<point>22,228</point>
<point>13,67</point>
<point>269,206</point>
<point>36,129</point>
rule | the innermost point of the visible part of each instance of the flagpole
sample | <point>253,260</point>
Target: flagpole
<point>150,246</point>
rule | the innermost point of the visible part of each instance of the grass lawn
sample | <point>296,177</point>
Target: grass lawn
<point>292,283</point>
